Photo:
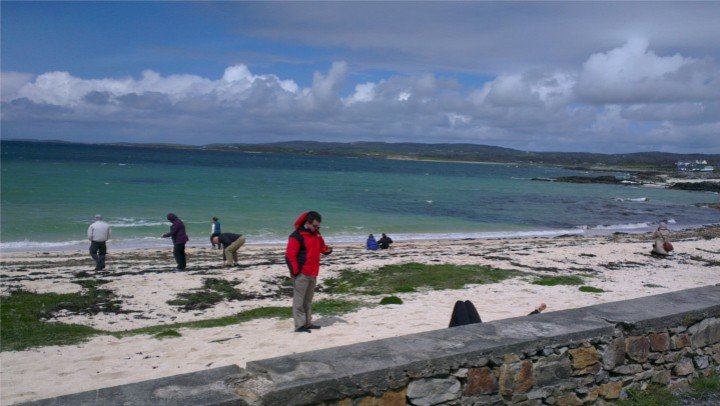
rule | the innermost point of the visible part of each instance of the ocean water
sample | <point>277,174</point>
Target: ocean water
<point>51,191</point>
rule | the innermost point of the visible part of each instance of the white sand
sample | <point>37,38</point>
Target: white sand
<point>619,265</point>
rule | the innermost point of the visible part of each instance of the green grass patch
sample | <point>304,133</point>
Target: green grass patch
<point>327,307</point>
<point>654,395</point>
<point>167,334</point>
<point>259,313</point>
<point>23,325</point>
<point>213,292</point>
<point>23,314</point>
<point>558,280</point>
<point>388,300</point>
<point>590,289</point>
<point>334,307</point>
<point>409,277</point>
<point>705,385</point>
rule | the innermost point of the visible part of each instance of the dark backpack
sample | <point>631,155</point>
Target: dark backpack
<point>301,255</point>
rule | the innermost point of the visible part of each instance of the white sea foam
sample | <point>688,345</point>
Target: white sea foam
<point>634,199</point>
<point>629,226</point>
<point>125,222</point>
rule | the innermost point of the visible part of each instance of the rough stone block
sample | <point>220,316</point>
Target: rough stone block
<point>591,370</point>
<point>680,329</point>
<point>516,378</point>
<point>551,370</point>
<point>673,356</point>
<point>529,403</point>
<point>592,394</point>
<point>702,362</point>
<point>705,333</point>
<point>643,376</point>
<point>662,377</point>
<point>678,384</point>
<point>570,399</point>
<point>461,373</point>
<point>613,354</point>
<point>659,342</point>
<point>389,398</point>
<point>679,341</point>
<point>539,393</point>
<point>481,400</point>
<point>432,391</point>
<point>610,390</point>
<point>584,356</point>
<point>637,348</point>
<point>480,381</point>
<point>629,369</point>
<point>684,367</point>
<point>393,398</point>
<point>510,358</point>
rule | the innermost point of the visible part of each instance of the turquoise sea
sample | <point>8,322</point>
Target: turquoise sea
<point>50,192</point>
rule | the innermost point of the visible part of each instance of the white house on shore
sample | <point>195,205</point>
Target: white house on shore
<point>694,166</point>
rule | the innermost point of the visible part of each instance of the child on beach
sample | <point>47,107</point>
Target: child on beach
<point>215,231</point>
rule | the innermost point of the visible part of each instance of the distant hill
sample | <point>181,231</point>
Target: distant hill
<point>452,152</point>
<point>471,152</point>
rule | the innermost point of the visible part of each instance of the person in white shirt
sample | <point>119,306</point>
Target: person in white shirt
<point>98,233</point>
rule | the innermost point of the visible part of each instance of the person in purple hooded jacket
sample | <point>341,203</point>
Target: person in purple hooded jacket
<point>179,238</point>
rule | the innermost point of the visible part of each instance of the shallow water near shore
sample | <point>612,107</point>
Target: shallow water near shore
<point>50,191</point>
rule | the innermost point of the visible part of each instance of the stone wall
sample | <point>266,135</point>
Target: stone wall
<point>589,355</point>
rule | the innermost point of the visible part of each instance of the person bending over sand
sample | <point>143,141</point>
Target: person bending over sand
<point>230,244</point>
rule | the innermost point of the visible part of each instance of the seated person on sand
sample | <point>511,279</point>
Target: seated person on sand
<point>371,244</point>
<point>539,309</point>
<point>661,245</point>
<point>384,242</point>
<point>230,243</point>
<point>464,313</point>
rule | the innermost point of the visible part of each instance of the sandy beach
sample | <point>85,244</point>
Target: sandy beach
<point>142,280</point>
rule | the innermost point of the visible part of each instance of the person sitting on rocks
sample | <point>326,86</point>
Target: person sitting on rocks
<point>661,245</point>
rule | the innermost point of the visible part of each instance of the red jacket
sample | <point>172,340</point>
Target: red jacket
<point>304,249</point>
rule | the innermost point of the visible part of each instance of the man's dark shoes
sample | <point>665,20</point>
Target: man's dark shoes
<point>313,327</point>
<point>303,330</point>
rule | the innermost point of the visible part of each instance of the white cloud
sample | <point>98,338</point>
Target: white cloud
<point>622,99</point>
<point>11,82</point>
<point>634,74</point>
<point>364,93</point>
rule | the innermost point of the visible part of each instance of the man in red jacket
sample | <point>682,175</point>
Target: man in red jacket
<point>302,256</point>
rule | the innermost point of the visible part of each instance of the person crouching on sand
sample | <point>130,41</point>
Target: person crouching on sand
<point>661,245</point>
<point>230,244</point>
<point>179,238</point>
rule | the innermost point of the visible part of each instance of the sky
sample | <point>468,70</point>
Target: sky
<point>540,76</point>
